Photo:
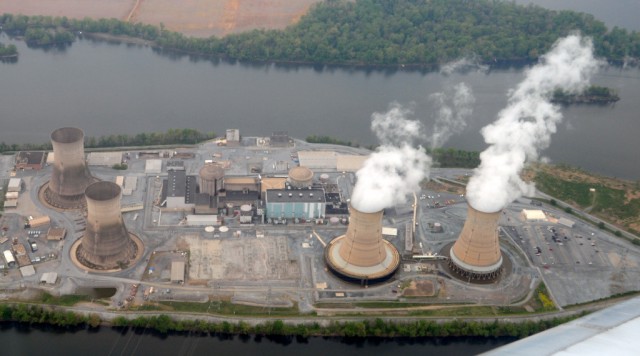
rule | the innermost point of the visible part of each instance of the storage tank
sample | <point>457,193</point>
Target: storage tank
<point>246,213</point>
<point>300,177</point>
<point>362,255</point>
<point>106,242</point>
<point>476,253</point>
<point>211,177</point>
<point>70,176</point>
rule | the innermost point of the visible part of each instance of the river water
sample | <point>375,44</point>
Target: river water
<point>109,88</point>
<point>18,340</point>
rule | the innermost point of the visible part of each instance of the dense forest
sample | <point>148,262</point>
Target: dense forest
<point>170,137</point>
<point>383,32</point>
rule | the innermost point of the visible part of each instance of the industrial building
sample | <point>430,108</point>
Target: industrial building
<point>362,255</point>
<point>321,160</point>
<point>280,139</point>
<point>295,204</point>
<point>15,185</point>
<point>106,243</point>
<point>476,253</point>
<point>56,233</point>
<point>27,160</point>
<point>533,215</point>
<point>70,176</point>
<point>179,191</point>
<point>233,137</point>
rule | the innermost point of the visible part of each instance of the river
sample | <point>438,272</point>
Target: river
<point>108,88</point>
<point>18,340</point>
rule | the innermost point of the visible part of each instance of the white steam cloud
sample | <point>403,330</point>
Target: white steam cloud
<point>466,64</point>
<point>525,126</point>
<point>453,107</point>
<point>396,168</point>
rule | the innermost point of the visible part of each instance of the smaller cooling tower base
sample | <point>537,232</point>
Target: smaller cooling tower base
<point>378,273</point>
<point>79,257</point>
<point>55,201</point>
<point>474,275</point>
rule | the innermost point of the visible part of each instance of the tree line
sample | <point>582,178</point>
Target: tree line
<point>381,32</point>
<point>33,314</point>
<point>170,137</point>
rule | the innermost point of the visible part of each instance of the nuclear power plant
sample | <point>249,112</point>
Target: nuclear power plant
<point>362,255</point>
<point>70,176</point>
<point>106,243</point>
<point>476,253</point>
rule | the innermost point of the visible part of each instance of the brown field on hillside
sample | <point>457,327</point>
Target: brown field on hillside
<point>200,18</point>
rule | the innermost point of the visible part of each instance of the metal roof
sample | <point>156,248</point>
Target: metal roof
<point>295,195</point>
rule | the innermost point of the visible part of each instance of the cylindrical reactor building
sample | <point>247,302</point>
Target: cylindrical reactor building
<point>476,254</point>
<point>70,176</point>
<point>362,255</point>
<point>211,178</point>
<point>300,177</point>
<point>106,242</point>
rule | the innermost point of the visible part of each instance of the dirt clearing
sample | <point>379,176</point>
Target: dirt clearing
<point>199,18</point>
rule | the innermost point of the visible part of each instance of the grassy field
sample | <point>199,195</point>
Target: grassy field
<point>611,199</point>
<point>222,307</point>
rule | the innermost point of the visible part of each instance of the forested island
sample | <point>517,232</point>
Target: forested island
<point>591,95</point>
<point>370,32</point>
<point>7,51</point>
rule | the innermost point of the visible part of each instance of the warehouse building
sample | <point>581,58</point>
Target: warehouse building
<point>179,190</point>
<point>28,160</point>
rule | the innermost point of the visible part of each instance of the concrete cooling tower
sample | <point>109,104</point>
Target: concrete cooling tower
<point>362,255</point>
<point>106,243</point>
<point>70,176</point>
<point>476,254</point>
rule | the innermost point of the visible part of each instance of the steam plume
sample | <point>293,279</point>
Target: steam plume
<point>466,64</point>
<point>453,107</point>
<point>525,126</point>
<point>396,168</point>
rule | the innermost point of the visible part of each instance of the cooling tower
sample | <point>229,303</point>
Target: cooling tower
<point>476,254</point>
<point>211,176</point>
<point>70,176</point>
<point>362,255</point>
<point>106,242</point>
<point>300,177</point>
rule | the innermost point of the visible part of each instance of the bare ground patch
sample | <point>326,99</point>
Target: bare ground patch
<point>198,18</point>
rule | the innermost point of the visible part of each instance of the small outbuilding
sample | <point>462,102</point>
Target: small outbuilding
<point>533,215</point>
<point>49,278</point>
